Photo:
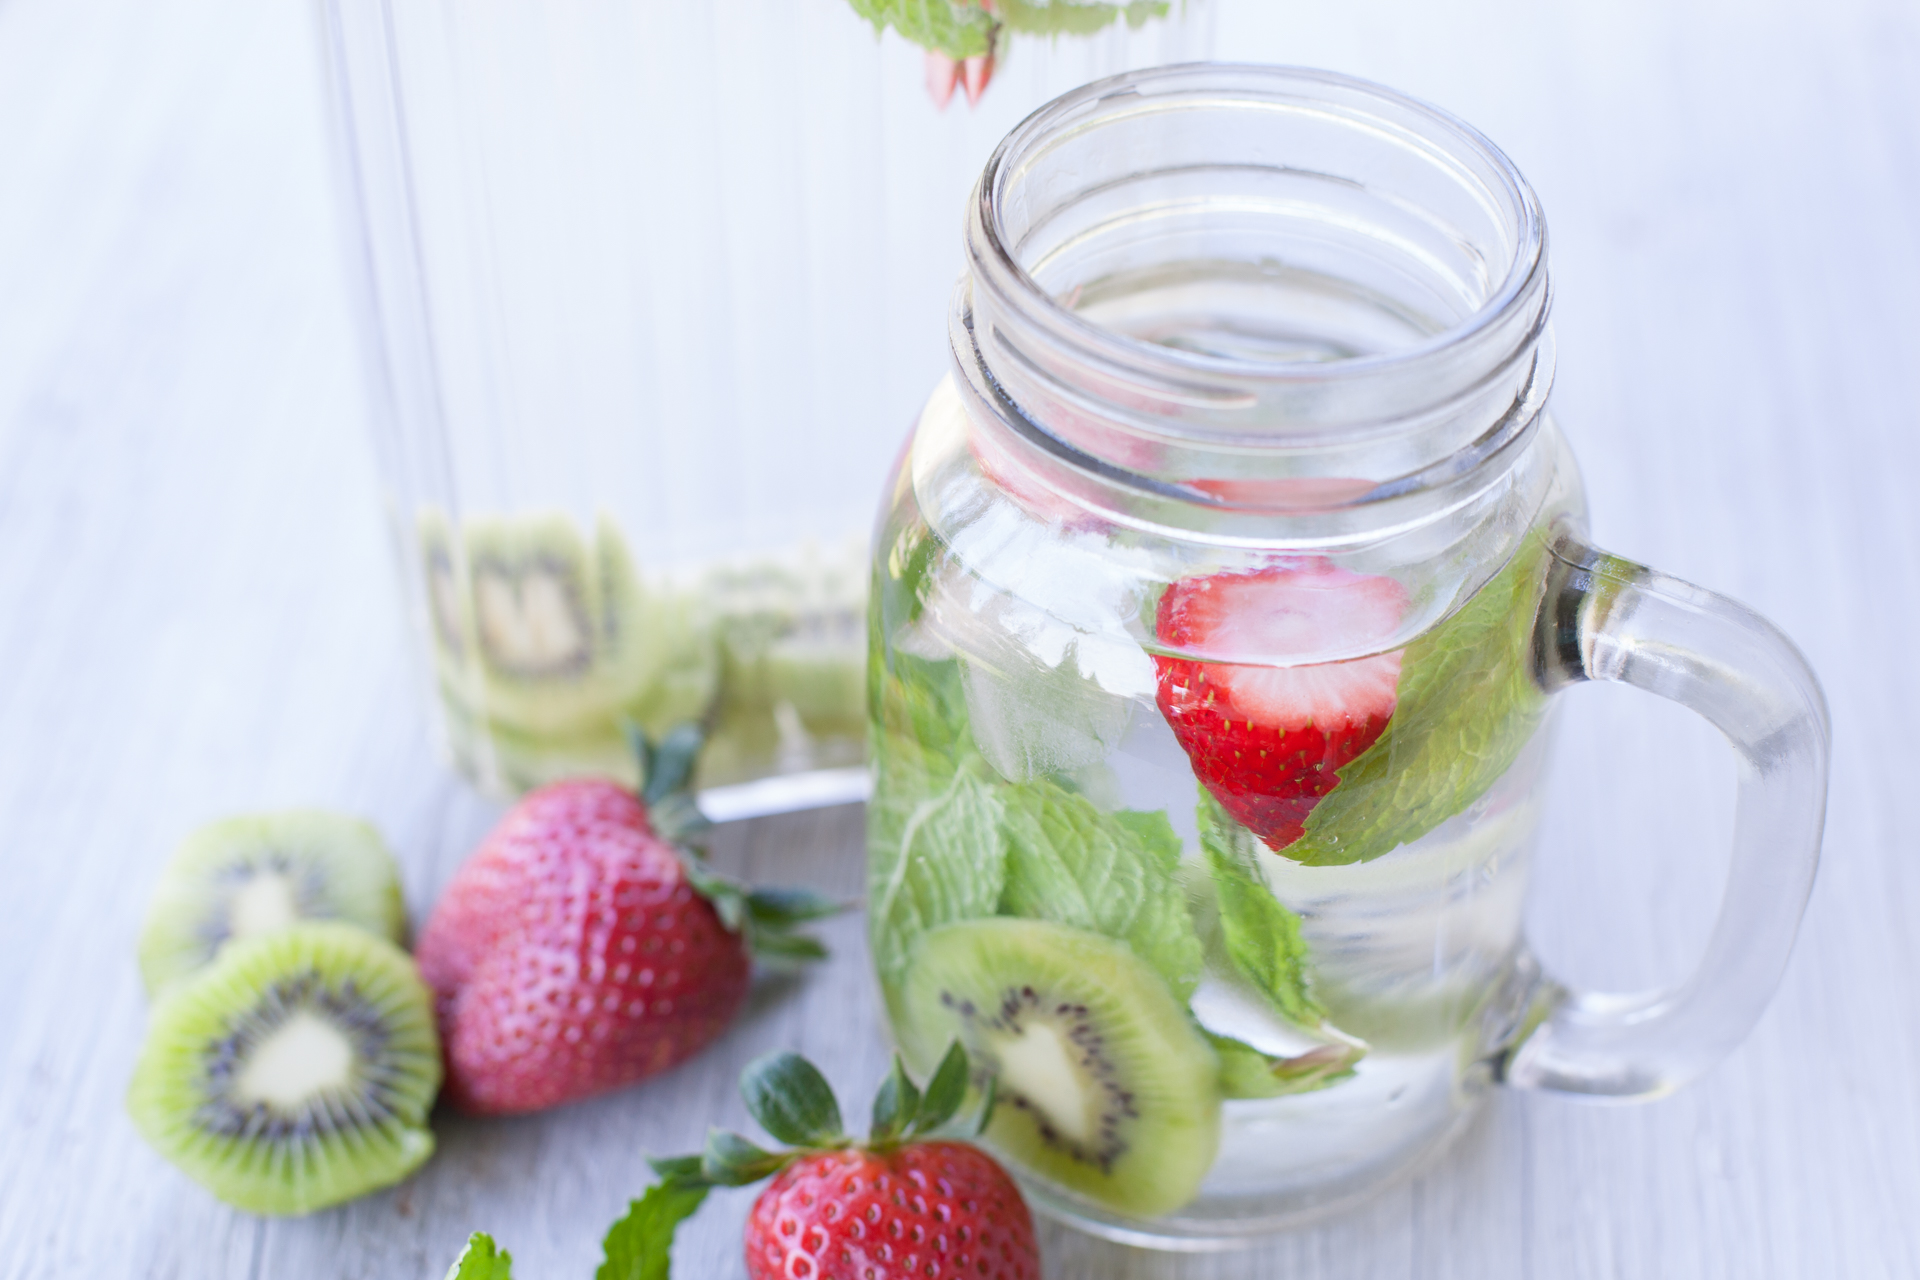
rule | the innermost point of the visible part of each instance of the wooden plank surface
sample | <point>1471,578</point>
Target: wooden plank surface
<point>197,616</point>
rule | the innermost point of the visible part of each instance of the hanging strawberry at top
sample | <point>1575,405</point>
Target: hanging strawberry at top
<point>582,949</point>
<point>1268,741</point>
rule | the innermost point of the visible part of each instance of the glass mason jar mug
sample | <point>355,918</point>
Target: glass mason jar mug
<point>1218,603</point>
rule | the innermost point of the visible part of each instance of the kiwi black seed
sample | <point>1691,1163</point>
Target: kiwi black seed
<point>260,872</point>
<point>293,1073</point>
<point>1105,1085</point>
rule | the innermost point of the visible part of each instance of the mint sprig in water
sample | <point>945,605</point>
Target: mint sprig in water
<point>1467,704</point>
<point>1110,873</point>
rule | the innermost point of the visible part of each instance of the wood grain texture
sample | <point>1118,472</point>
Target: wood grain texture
<point>197,617</point>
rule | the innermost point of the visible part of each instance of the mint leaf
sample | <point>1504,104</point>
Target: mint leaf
<point>791,1100</point>
<point>481,1260</point>
<point>1245,1072</point>
<point>1467,704</point>
<point>1074,18</point>
<point>1070,863</point>
<point>921,710</point>
<point>957,30</point>
<point>935,854</point>
<point>1262,936</point>
<point>640,1245</point>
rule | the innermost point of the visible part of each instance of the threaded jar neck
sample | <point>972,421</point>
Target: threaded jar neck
<point>1240,293</point>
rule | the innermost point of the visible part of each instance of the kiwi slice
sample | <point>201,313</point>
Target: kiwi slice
<point>258,873</point>
<point>567,640</point>
<point>294,1072</point>
<point>1104,1084</point>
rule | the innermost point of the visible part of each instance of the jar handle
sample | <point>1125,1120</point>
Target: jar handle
<point>1604,618</point>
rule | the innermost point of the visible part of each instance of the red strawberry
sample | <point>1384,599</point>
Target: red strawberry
<point>903,1206</point>
<point>928,1209</point>
<point>1267,740</point>
<point>579,950</point>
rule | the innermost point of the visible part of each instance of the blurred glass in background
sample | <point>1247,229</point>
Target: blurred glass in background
<point>651,293</point>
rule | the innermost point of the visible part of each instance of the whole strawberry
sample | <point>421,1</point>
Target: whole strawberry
<point>904,1204</point>
<point>581,949</point>
<point>1268,740</point>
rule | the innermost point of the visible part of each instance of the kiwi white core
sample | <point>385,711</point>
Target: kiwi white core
<point>1038,1064</point>
<point>303,1056</point>
<point>263,903</point>
<point>528,621</point>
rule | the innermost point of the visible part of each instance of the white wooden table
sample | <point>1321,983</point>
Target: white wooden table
<point>197,616</point>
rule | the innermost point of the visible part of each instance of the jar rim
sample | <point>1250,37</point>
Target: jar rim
<point>994,262</point>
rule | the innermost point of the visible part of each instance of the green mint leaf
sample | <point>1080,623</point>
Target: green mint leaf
<point>959,30</point>
<point>1245,1072</point>
<point>922,711</point>
<point>791,1100</point>
<point>481,1260</point>
<point>935,854</point>
<point>1262,936</point>
<point>946,1090</point>
<point>1467,704</point>
<point>731,1161</point>
<point>1030,719</point>
<point>1074,17</point>
<point>640,1245</point>
<point>1070,863</point>
<point>894,1107</point>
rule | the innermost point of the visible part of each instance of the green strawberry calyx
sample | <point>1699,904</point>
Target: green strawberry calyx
<point>765,917</point>
<point>792,1101</point>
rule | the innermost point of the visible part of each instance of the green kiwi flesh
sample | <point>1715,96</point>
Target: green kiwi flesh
<point>1104,1084</point>
<point>566,641</point>
<point>293,1073</point>
<point>261,872</point>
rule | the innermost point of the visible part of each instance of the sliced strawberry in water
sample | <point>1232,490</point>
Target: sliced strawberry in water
<point>1268,740</point>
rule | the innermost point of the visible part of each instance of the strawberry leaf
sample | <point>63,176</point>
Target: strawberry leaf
<point>779,908</point>
<point>1262,935</point>
<point>792,1100</point>
<point>731,1161</point>
<point>894,1107</point>
<point>668,768</point>
<point>946,1090</point>
<point>481,1260</point>
<point>988,1096</point>
<point>785,946</point>
<point>684,1169</point>
<point>640,1245</point>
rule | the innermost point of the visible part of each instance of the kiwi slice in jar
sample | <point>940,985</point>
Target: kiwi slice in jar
<point>1104,1085</point>
<point>293,1073</point>
<point>257,873</point>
